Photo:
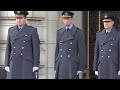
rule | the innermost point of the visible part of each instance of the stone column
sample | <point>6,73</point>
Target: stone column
<point>52,26</point>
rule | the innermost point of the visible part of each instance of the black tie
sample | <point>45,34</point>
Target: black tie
<point>19,29</point>
<point>67,29</point>
<point>106,33</point>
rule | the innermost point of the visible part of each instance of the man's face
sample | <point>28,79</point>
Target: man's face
<point>108,24</point>
<point>68,20</point>
<point>21,21</point>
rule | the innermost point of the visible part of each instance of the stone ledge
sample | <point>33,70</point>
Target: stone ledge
<point>28,18</point>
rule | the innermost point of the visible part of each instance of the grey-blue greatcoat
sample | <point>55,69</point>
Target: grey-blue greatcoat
<point>22,52</point>
<point>107,54</point>
<point>70,53</point>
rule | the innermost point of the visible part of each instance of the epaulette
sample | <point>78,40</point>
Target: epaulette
<point>59,29</point>
<point>79,29</point>
<point>98,31</point>
<point>12,27</point>
<point>31,27</point>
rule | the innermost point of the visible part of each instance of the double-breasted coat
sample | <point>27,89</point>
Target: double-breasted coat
<point>107,54</point>
<point>22,52</point>
<point>70,53</point>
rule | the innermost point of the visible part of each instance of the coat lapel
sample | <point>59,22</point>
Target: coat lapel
<point>67,35</point>
<point>22,32</point>
<point>112,35</point>
<point>13,33</point>
<point>62,31</point>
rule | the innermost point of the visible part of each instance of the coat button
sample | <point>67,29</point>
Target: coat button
<point>113,39</point>
<point>70,42</point>
<point>102,56</point>
<point>21,54</point>
<point>102,50</point>
<point>26,35</point>
<point>23,41</point>
<point>108,56</point>
<point>111,44</point>
<point>68,55</point>
<point>60,49</point>
<point>60,55</point>
<point>13,47</point>
<point>69,49</point>
<point>102,44</point>
<point>14,53</point>
<point>22,47</point>
<point>110,50</point>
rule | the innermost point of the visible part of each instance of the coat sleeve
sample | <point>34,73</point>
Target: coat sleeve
<point>36,48</point>
<point>96,54</point>
<point>8,50</point>
<point>82,52</point>
<point>56,50</point>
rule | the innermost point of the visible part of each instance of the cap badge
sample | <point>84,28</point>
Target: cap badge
<point>106,16</point>
<point>66,13</point>
<point>18,12</point>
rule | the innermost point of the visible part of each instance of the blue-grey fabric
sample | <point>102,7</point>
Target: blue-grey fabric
<point>22,52</point>
<point>70,53</point>
<point>107,54</point>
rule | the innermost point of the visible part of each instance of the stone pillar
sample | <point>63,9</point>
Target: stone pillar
<point>52,26</point>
